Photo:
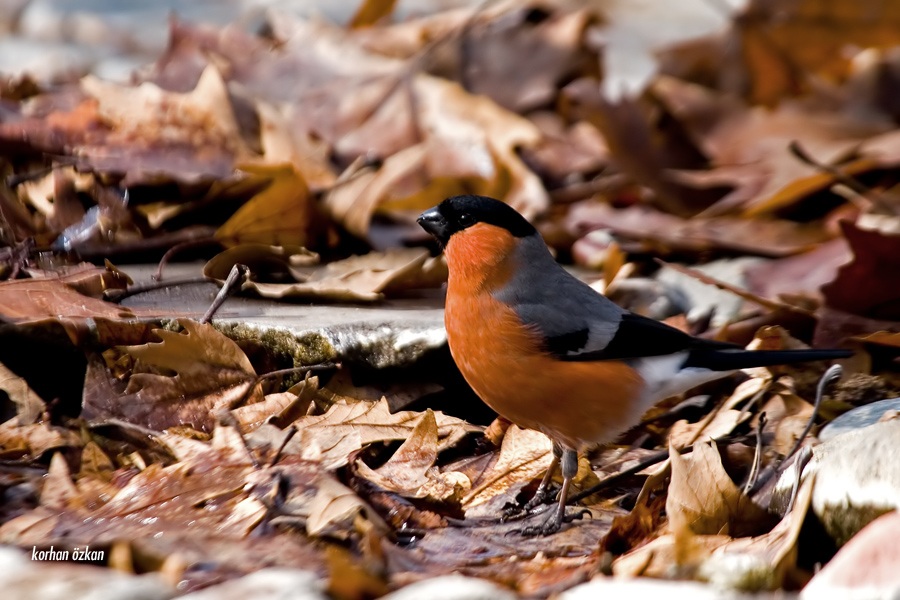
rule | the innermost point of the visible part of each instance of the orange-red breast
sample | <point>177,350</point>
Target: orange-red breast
<point>549,353</point>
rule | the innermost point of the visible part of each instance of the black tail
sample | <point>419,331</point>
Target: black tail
<point>718,359</point>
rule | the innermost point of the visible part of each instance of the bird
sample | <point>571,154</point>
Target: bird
<point>547,352</point>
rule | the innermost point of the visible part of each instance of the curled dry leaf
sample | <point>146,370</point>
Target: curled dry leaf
<point>763,237</point>
<point>364,278</point>
<point>525,455</point>
<point>282,214</point>
<point>410,471</point>
<point>331,437</point>
<point>187,377</point>
<point>333,509</point>
<point>29,406</point>
<point>704,500</point>
<point>154,132</point>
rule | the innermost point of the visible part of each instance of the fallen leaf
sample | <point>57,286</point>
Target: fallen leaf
<point>32,300</point>
<point>525,455</point>
<point>282,214</point>
<point>333,509</point>
<point>29,406</point>
<point>331,437</point>
<point>188,377</point>
<point>763,237</point>
<point>32,440</point>
<point>364,278</point>
<point>785,47</point>
<point>876,258</point>
<point>153,132</point>
<point>410,471</point>
<point>703,499</point>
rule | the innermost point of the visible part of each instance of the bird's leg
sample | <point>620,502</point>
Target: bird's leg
<point>569,470</point>
<point>542,494</point>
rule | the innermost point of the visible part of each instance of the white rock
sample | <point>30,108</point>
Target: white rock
<point>634,589</point>
<point>22,578</point>
<point>452,587</point>
<point>44,61</point>
<point>267,584</point>
<point>865,568</point>
<point>859,417</point>
<point>857,478</point>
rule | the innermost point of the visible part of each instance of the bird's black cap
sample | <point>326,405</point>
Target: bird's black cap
<point>460,212</point>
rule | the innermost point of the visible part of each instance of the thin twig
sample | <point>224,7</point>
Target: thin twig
<point>833,373</point>
<point>233,283</point>
<point>880,200</point>
<point>177,248</point>
<point>757,455</point>
<point>289,434</point>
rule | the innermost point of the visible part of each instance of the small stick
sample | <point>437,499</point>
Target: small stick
<point>879,200</point>
<point>236,278</point>
<point>757,455</point>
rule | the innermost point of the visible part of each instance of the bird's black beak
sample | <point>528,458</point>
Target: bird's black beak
<point>434,223</point>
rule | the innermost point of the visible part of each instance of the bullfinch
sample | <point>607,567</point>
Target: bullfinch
<point>547,352</point>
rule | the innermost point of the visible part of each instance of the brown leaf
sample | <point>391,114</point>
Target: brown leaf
<point>751,146</point>
<point>788,44</point>
<point>469,147</point>
<point>331,437</point>
<point>525,455</point>
<point>154,132</point>
<point>59,493</point>
<point>333,509</point>
<point>364,278</point>
<point>764,237</point>
<point>876,258</point>
<point>283,142</point>
<point>282,214</point>
<point>29,406</point>
<point>704,500</point>
<point>189,376</point>
<point>31,300</point>
<point>410,471</point>
<point>800,275</point>
<point>33,440</point>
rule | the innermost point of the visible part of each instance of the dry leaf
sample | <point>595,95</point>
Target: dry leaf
<point>189,376</point>
<point>331,437</point>
<point>364,278</point>
<point>29,406</point>
<point>333,509</point>
<point>282,214</point>
<point>525,455</point>
<point>703,499</point>
<point>410,471</point>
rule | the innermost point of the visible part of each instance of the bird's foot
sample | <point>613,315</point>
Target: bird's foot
<point>544,495</point>
<point>513,511</point>
<point>554,523</point>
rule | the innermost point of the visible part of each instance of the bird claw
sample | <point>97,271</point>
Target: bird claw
<point>554,523</point>
<point>513,511</point>
<point>541,496</point>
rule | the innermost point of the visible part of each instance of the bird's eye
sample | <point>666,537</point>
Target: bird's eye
<point>465,219</point>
